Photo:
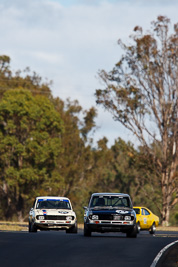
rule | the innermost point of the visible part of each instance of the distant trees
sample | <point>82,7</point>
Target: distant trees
<point>46,145</point>
<point>75,158</point>
<point>141,92</point>
<point>75,163</point>
<point>21,79</point>
<point>30,143</point>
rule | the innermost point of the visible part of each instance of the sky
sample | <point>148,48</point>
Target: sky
<point>69,41</point>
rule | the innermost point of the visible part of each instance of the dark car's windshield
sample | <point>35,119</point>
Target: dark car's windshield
<point>53,204</point>
<point>111,201</point>
<point>137,211</point>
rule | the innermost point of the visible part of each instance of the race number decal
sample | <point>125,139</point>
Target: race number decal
<point>122,211</point>
<point>63,212</point>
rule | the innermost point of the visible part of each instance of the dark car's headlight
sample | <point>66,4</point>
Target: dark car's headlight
<point>127,218</point>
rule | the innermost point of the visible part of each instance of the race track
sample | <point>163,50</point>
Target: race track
<point>23,249</point>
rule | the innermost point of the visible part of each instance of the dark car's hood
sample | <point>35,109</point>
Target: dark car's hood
<point>112,211</point>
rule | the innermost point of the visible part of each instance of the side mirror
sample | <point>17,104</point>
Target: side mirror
<point>31,209</point>
<point>85,207</point>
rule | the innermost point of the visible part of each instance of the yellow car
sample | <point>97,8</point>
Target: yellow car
<point>146,220</point>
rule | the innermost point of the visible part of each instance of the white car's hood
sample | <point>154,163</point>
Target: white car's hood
<point>55,212</point>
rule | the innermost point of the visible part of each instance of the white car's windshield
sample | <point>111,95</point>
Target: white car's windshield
<point>53,204</point>
<point>111,201</point>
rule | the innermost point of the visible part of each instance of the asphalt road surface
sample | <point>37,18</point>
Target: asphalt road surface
<point>23,249</point>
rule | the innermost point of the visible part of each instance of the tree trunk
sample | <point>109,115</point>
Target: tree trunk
<point>20,205</point>
<point>165,215</point>
<point>166,197</point>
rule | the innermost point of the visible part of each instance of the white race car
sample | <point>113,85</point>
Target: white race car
<point>52,213</point>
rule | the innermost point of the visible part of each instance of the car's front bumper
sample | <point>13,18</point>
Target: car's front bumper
<point>54,225</point>
<point>110,226</point>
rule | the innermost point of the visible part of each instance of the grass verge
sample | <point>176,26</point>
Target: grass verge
<point>13,226</point>
<point>17,226</point>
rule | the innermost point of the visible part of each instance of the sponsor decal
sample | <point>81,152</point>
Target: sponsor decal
<point>52,199</point>
<point>122,211</point>
<point>63,212</point>
<point>44,212</point>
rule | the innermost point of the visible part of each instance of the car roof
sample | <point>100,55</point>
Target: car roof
<point>110,194</point>
<point>51,197</point>
<point>140,207</point>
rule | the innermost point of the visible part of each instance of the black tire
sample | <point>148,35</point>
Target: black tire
<point>153,229</point>
<point>87,232</point>
<point>29,227</point>
<point>133,232</point>
<point>72,230</point>
<point>32,227</point>
<point>138,227</point>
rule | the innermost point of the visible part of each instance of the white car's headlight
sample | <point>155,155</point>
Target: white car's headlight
<point>94,217</point>
<point>127,218</point>
<point>41,217</point>
<point>69,218</point>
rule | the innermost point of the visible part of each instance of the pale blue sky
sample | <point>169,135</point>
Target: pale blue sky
<point>68,41</point>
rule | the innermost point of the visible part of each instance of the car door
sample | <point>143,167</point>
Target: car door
<point>149,218</point>
<point>145,222</point>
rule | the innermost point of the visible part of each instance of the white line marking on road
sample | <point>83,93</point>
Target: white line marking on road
<point>161,253</point>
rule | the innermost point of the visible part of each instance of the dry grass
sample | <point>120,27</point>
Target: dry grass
<point>17,226</point>
<point>167,228</point>
<point>13,226</point>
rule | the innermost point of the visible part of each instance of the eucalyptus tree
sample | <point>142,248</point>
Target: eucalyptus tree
<point>141,92</point>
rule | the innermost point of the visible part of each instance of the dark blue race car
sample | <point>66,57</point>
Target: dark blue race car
<point>110,212</point>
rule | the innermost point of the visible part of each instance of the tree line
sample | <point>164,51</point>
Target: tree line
<point>46,146</point>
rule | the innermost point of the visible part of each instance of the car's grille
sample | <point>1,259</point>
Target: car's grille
<point>105,217</point>
<point>55,217</point>
<point>118,217</point>
<point>109,217</point>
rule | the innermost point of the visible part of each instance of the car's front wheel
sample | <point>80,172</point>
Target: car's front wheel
<point>138,227</point>
<point>32,227</point>
<point>87,231</point>
<point>132,232</point>
<point>153,229</point>
<point>73,229</point>
<point>29,227</point>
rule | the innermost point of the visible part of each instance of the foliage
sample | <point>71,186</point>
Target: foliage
<point>46,149</point>
<point>75,162</point>
<point>21,79</point>
<point>142,93</point>
<point>29,146</point>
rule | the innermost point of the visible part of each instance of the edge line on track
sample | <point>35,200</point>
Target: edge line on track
<point>156,259</point>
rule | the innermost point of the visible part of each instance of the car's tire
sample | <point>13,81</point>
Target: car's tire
<point>133,232</point>
<point>72,230</point>
<point>138,227</point>
<point>153,229</point>
<point>32,228</point>
<point>87,231</point>
<point>29,227</point>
